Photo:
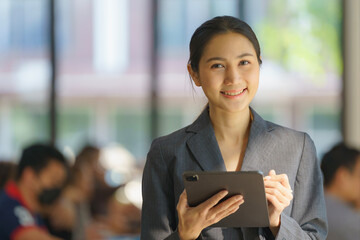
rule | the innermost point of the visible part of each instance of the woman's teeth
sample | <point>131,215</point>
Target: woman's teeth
<point>233,93</point>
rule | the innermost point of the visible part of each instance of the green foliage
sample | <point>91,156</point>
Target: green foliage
<point>303,36</point>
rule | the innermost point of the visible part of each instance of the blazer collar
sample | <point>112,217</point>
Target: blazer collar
<point>204,146</point>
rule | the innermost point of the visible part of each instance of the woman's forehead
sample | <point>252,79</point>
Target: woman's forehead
<point>228,43</point>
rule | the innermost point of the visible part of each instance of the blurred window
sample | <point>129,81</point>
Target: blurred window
<point>300,79</point>
<point>301,74</point>
<point>24,75</point>
<point>104,70</point>
<point>104,74</point>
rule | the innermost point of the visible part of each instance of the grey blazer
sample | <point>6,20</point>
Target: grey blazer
<point>269,147</point>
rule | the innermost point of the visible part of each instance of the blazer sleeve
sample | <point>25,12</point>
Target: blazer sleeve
<point>158,220</point>
<point>308,217</point>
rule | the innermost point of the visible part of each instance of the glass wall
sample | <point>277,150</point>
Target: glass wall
<point>104,69</point>
<point>300,82</point>
<point>301,75</point>
<point>181,101</point>
<point>104,73</point>
<point>24,75</point>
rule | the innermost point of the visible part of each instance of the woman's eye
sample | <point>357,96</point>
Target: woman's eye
<point>217,66</point>
<point>244,62</point>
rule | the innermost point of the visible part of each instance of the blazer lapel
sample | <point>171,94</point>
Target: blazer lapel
<point>203,144</point>
<point>259,145</point>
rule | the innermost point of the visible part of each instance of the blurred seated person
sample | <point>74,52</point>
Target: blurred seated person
<point>123,216</point>
<point>73,206</point>
<point>90,156</point>
<point>7,172</point>
<point>341,169</point>
<point>40,176</point>
<point>119,219</point>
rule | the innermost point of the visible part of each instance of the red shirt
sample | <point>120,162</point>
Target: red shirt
<point>15,214</point>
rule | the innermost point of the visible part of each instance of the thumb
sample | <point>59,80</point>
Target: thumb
<point>272,172</point>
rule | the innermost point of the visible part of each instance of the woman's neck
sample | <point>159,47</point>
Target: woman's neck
<point>230,126</point>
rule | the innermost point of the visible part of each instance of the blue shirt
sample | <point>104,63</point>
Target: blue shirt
<point>15,215</point>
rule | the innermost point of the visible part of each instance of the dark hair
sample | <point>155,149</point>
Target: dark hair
<point>87,156</point>
<point>37,157</point>
<point>215,26</point>
<point>339,156</point>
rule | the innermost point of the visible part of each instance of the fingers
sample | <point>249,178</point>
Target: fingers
<point>225,211</point>
<point>211,202</point>
<point>279,197</point>
<point>277,187</point>
<point>278,190</point>
<point>282,178</point>
<point>234,200</point>
<point>193,219</point>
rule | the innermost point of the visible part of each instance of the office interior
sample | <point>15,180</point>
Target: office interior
<point>112,73</point>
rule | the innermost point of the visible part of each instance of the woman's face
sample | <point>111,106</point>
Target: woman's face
<point>228,72</point>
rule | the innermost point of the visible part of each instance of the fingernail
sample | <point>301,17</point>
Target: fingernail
<point>267,177</point>
<point>239,197</point>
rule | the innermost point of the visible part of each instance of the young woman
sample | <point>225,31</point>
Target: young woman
<point>230,136</point>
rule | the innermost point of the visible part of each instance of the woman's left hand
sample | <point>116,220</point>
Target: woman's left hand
<point>279,195</point>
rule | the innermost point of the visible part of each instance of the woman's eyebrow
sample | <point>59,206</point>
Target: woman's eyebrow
<point>215,59</point>
<point>222,59</point>
<point>245,55</point>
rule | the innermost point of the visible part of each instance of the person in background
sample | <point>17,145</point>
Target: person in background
<point>119,219</point>
<point>90,155</point>
<point>73,206</point>
<point>123,217</point>
<point>41,174</point>
<point>341,169</point>
<point>7,172</point>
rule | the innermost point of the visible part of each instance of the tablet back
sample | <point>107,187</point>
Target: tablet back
<point>252,213</point>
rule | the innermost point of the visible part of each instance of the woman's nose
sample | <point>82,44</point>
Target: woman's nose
<point>233,75</point>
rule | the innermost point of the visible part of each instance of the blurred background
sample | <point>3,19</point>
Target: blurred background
<point>112,73</point>
<point>120,71</point>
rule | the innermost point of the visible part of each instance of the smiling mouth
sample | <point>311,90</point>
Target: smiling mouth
<point>232,93</point>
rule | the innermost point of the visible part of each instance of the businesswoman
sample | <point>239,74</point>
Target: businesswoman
<point>230,136</point>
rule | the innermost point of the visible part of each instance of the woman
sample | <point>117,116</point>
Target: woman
<point>230,136</point>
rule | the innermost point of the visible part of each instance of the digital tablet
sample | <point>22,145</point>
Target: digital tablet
<point>200,186</point>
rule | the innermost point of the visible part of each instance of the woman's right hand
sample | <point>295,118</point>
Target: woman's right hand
<point>192,220</point>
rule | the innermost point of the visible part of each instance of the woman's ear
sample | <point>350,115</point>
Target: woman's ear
<point>194,76</point>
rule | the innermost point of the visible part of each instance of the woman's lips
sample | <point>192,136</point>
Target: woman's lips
<point>233,93</point>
